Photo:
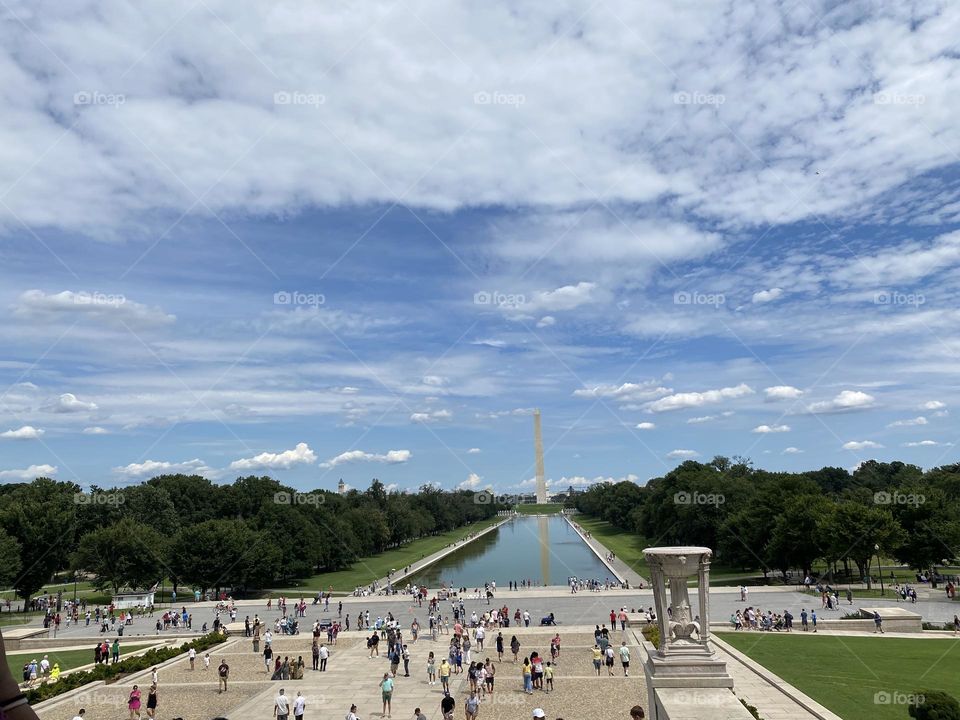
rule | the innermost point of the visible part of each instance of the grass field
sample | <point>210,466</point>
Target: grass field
<point>853,676</point>
<point>545,509</point>
<point>368,569</point>
<point>626,546</point>
<point>68,659</point>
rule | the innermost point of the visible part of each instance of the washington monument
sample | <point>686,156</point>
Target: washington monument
<point>538,448</point>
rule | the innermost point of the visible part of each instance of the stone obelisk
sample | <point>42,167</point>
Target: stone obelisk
<point>538,448</point>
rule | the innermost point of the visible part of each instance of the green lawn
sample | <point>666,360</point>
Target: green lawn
<point>544,509</point>
<point>365,570</point>
<point>68,659</point>
<point>626,546</point>
<point>846,674</point>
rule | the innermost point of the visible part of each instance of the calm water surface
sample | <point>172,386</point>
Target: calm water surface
<point>544,550</point>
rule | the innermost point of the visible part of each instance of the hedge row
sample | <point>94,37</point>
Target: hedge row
<point>109,673</point>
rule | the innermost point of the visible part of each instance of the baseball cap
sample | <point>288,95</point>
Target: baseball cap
<point>539,713</point>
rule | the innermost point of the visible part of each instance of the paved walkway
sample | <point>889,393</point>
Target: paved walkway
<point>617,566</point>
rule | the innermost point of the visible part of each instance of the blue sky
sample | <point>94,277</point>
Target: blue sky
<point>366,243</point>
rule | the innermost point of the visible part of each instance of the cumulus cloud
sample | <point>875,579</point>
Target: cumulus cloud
<point>765,296</point>
<point>782,392</point>
<point>646,426</point>
<point>473,451</point>
<point>95,430</point>
<point>771,429</point>
<point>156,467</point>
<point>434,380</point>
<point>391,457</point>
<point>29,473</point>
<point>431,416</point>
<point>845,401</point>
<point>933,405</point>
<point>471,483</point>
<point>919,420</point>
<point>546,321</point>
<point>626,392</point>
<point>69,403</point>
<point>567,297</point>
<point>300,455</point>
<point>36,304</point>
<point>697,399</point>
<point>905,263</point>
<point>861,445</point>
<point>925,443</point>
<point>27,432</point>
<point>682,454</point>
<point>516,412</point>
<point>792,451</point>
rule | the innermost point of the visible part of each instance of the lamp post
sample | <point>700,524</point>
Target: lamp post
<point>879,569</point>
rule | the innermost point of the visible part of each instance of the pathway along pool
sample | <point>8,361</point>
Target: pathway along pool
<point>541,549</point>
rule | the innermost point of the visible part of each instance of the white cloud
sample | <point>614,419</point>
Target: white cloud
<point>391,457</point>
<point>933,405</point>
<point>27,432</point>
<point>699,420</point>
<point>34,471</point>
<point>697,399</point>
<point>861,445</point>
<point>68,403</point>
<point>782,392</point>
<point>300,455</point>
<point>646,426</point>
<point>920,420</point>
<point>516,412</point>
<point>925,443</point>
<point>36,304</point>
<point>155,467</point>
<point>771,429</point>
<point>626,392</point>
<point>567,297</point>
<point>792,451</point>
<point>434,380</point>
<point>471,483</point>
<point>431,416</point>
<point>95,430</point>
<point>682,454</point>
<point>845,401</point>
<point>546,321</point>
<point>490,342</point>
<point>473,451</point>
<point>907,262</point>
<point>765,296</point>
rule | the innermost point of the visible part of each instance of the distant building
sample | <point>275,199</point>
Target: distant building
<point>342,487</point>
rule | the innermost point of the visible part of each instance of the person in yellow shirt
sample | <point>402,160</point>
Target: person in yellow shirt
<point>548,677</point>
<point>55,672</point>
<point>597,658</point>
<point>445,675</point>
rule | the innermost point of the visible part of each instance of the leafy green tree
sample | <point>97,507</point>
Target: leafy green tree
<point>9,559</point>
<point>856,530</point>
<point>126,554</point>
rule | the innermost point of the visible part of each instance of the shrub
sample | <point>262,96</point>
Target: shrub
<point>751,709</point>
<point>111,673</point>
<point>651,633</point>
<point>935,705</point>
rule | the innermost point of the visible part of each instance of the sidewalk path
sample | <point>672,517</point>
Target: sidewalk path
<point>617,566</point>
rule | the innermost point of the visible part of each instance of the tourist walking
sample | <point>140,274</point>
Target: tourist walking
<point>299,705</point>
<point>281,706</point>
<point>431,670</point>
<point>386,691</point>
<point>324,654</point>
<point>597,658</point>
<point>471,705</point>
<point>878,623</point>
<point>223,671</point>
<point>352,715</point>
<point>515,647</point>
<point>445,676</point>
<point>527,674</point>
<point>625,658</point>
<point>152,702</point>
<point>133,703</point>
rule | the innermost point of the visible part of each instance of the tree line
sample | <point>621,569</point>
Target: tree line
<point>779,521</point>
<point>252,533</point>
